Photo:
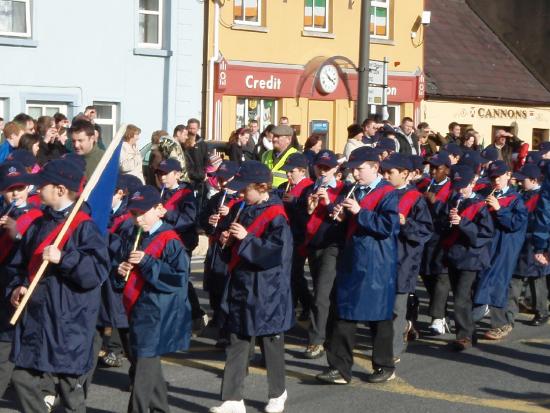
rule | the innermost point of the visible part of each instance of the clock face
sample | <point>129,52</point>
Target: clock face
<point>328,79</point>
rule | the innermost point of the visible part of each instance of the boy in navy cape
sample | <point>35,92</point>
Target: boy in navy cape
<point>16,216</point>
<point>367,272</point>
<point>528,269</point>
<point>296,168</point>
<point>63,309</point>
<point>433,270</point>
<point>415,230</point>
<point>258,298</point>
<point>215,268</point>
<point>322,239</point>
<point>181,205</point>
<point>468,249</point>
<point>155,299</point>
<point>510,218</point>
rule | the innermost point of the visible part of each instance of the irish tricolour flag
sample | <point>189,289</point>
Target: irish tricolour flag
<point>315,13</point>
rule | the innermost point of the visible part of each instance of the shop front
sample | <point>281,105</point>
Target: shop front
<point>529,123</point>
<point>315,98</point>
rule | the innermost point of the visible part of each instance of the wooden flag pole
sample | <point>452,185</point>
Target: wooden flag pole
<point>90,185</point>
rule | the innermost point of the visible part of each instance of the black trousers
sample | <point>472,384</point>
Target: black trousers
<point>149,391</point>
<point>342,342</point>
<point>236,365</point>
<point>462,283</point>
<point>322,265</point>
<point>6,366</point>
<point>300,289</point>
<point>441,289</point>
<point>28,386</point>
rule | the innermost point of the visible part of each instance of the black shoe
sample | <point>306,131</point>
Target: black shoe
<point>332,376</point>
<point>538,321</point>
<point>381,376</point>
<point>110,360</point>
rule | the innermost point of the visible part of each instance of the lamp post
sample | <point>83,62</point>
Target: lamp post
<point>364,46</point>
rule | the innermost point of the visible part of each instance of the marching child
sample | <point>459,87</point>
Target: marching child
<point>468,245</point>
<point>510,219</point>
<point>64,307</point>
<point>322,240</point>
<point>296,167</point>
<point>16,216</point>
<point>367,271</point>
<point>528,269</point>
<point>155,299</point>
<point>257,299</point>
<point>415,230</point>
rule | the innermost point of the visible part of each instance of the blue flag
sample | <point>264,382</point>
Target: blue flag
<point>101,198</point>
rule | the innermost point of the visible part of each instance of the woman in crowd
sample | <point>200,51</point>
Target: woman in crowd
<point>131,162</point>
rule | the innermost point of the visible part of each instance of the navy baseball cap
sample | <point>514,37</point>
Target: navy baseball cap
<point>128,183</point>
<point>498,168</point>
<point>296,160</point>
<point>533,157</point>
<point>490,154</point>
<point>60,172</point>
<point>544,147</point>
<point>362,154</point>
<point>24,157</point>
<point>168,165</point>
<point>250,172</point>
<point>417,162</point>
<point>387,129</point>
<point>326,158</point>
<point>441,158</point>
<point>453,149</point>
<point>226,170</point>
<point>13,173</point>
<point>461,176</point>
<point>529,170</point>
<point>143,199</point>
<point>386,144</point>
<point>472,159</point>
<point>76,159</point>
<point>397,161</point>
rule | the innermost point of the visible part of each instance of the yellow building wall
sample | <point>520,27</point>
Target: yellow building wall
<point>482,117</point>
<point>284,41</point>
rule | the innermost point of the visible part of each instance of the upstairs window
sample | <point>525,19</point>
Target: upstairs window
<point>379,19</point>
<point>247,12</point>
<point>316,15</point>
<point>15,18</point>
<point>150,23</point>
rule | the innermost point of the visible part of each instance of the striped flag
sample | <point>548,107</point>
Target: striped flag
<point>315,13</point>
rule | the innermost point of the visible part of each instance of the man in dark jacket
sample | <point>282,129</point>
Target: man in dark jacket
<point>196,157</point>
<point>408,141</point>
<point>506,144</point>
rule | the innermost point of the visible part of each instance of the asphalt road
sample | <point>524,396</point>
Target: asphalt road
<point>512,375</point>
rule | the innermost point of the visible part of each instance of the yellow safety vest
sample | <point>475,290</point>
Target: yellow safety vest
<point>279,176</point>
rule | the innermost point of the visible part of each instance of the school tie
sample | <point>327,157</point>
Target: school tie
<point>361,193</point>
<point>498,194</point>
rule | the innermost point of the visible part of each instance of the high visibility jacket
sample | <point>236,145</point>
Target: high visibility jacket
<point>279,176</point>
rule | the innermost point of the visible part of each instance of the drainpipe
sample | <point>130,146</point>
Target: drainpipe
<point>213,60</point>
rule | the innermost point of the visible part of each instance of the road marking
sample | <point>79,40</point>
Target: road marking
<point>397,386</point>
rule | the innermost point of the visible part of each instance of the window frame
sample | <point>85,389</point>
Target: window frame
<point>245,22</point>
<point>63,107</point>
<point>114,121</point>
<point>160,14</point>
<point>28,22</point>
<point>327,19</point>
<point>384,5</point>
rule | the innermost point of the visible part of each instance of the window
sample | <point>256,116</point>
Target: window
<point>379,19</point>
<point>247,12</point>
<point>394,114</point>
<point>262,110</point>
<point>539,135</point>
<point>316,15</point>
<point>15,18</point>
<point>107,118</point>
<point>150,23</point>
<point>35,109</point>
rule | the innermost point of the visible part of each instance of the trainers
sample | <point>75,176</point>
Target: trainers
<point>538,321</point>
<point>277,404</point>
<point>199,324</point>
<point>49,401</point>
<point>438,326</point>
<point>480,312</point>
<point>499,333</point>
<point>381,376</point>
<point>229,406</point>
<point>314,351</point>
<point>462,344</point>
<point>332,376</point>
<point>110,360</point>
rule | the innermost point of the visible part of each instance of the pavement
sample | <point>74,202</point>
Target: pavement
<point>508,376</point>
